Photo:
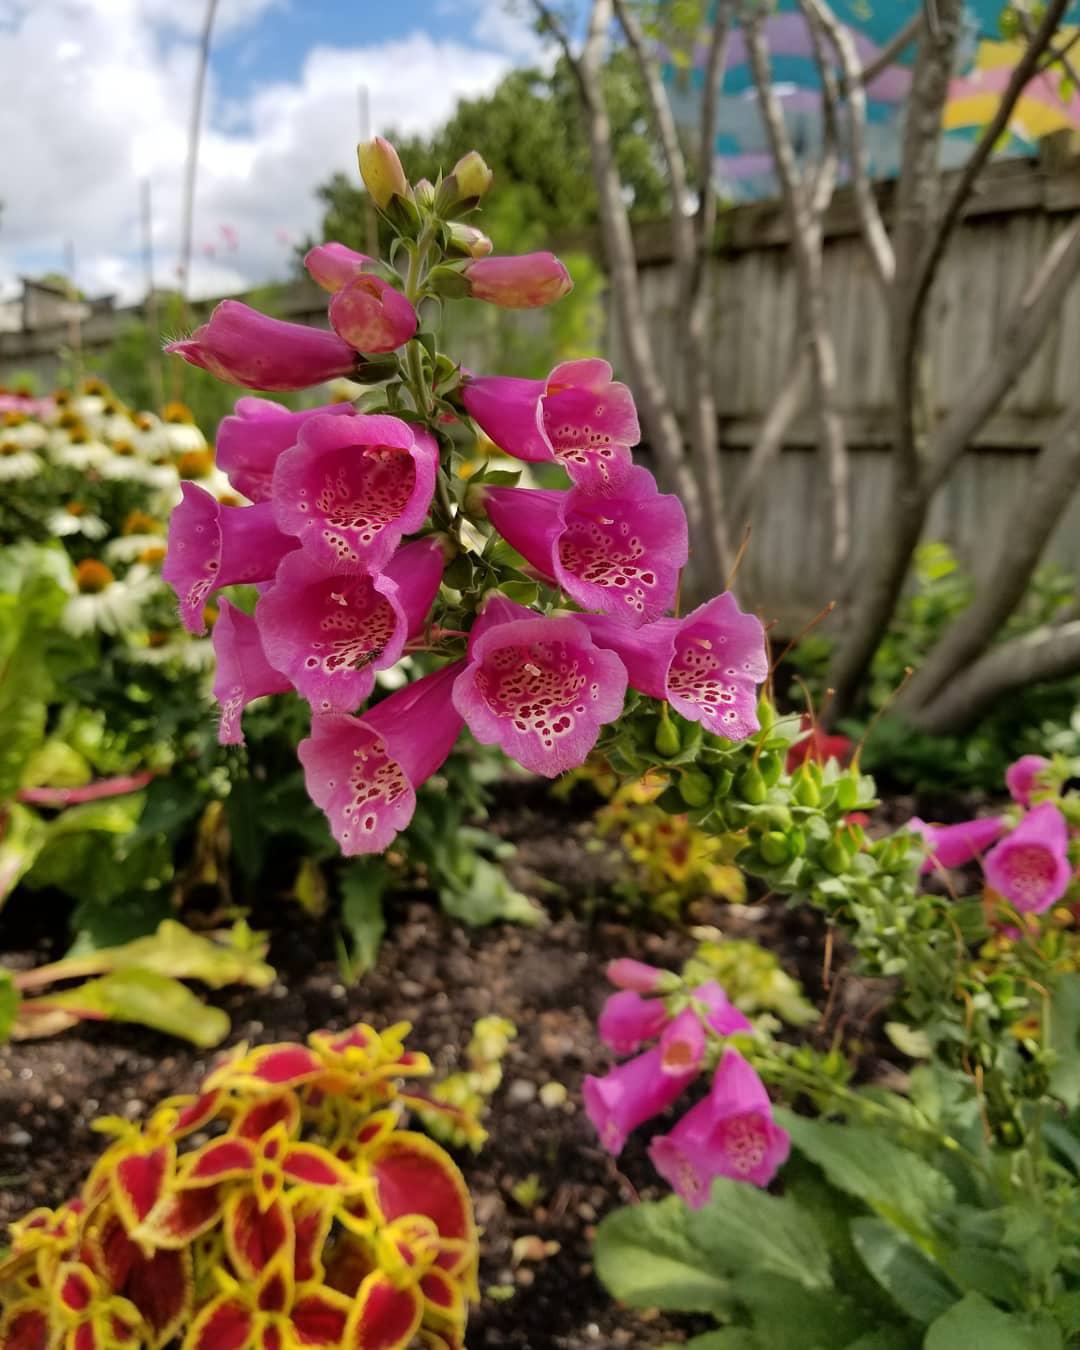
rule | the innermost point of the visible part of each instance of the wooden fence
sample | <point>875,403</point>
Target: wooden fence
<point>1019,209</point>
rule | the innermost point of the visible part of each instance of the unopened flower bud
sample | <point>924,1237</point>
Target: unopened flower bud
<point>666,741</point>
<point>523,282</point>
<point>468,239</point>
<point>473,176</point>
<point>695,787</point>
<point>381,171</point>
<point>424,192</point>
<point>751,786</point>
<point>775,848</point>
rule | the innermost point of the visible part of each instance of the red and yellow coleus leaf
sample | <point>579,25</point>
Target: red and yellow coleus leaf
<point>90,1316</point>
<point>139,1181</point>
<point>254,1237</point>
<point>383,1316</point>
<point>266,1068</point>
<point>25,1326</point>
<point>159,1284</point>
<point>260,1118</point>
<point>413,1175</point>
<point>182,1216</point>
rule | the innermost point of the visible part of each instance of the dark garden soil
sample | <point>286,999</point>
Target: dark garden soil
<point>548,981</point>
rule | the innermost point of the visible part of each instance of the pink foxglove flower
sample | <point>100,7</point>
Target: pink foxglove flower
<point>211,545</point>
<point>629,1095</point>
<point>707,666</point>
<point>352,486</point>
<point>618,552</point>
<point>243,672</point>
<point>1030,866</point>
<point>537,687</point>
<point>578,417</point>
<point>626,973</point>
<point>329,632</point>
<point>628,1021</point>
<point>250,440</point>
<point>332,265</point>
<point>526,281</point>
<point>371,315</point>
<point>682,1044</point>
<point>729,1134</point>
<point>721,1015</point>
<point>245,347</point>
<point>364,771</point>
<point>955,845</point>
<point>1023,777</point>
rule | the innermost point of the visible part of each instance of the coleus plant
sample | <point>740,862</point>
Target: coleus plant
<point>281,1205</point>
<point>537,607</point>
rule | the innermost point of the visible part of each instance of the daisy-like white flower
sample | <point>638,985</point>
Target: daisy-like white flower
<point>76,518</point>
<point>162,647</point>
<point>179,431</point>
<point>104,602</point>
<point>17,463</point>
<point>28,434</point>
<point>149,437</point>
<point>76,450</point>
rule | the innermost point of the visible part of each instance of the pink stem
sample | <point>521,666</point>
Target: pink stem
<point>92,792</point>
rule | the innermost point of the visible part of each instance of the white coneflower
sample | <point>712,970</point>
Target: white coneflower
<point>88,406</point>
<point>75,518</point>
<point>149,436</point>
<point>17,463</point>
<point>77,451</point>
<point>26,433</point>
<point>105,602</point>
<point>125,464</point>
<point>129,548</point>
<point>179,429</point>
<point>163,648</point>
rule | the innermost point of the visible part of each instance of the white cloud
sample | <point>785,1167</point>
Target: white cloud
<point>97,96</point>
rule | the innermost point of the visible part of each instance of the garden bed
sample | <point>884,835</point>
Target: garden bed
<point>441,977</point>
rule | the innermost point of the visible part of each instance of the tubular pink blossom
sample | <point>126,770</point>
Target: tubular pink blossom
<point>243,672</point>
<point>729,1134</point>
<point>332,265</point>
<point>626,973</point>
<point>722,1016</point>
<point>371,315</point>
<point>537,687</point>
<point>211,546</point>
<point>329,632</point>
<point>578,417</point>
<point>682,1045</point>
<point>250,440</point>
<point>364,771</point>
<point>245,347</point>
<point>1024,777</point>
<point>1030,866</point>
<point>629,1095</point>
<point>628,1021</point>
<point>526,281</point>
<point>618,552</point>
<point>708,665</point>
<point>955,845</point>
<point>352,486</point>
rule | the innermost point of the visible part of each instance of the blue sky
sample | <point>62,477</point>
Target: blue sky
<point>98,96</point>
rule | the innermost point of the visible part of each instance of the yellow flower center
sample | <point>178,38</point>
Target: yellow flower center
<point>195,463</point>
<point>91,576</point>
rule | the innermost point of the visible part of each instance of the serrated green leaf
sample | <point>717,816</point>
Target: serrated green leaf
<point>912,1281</point>
<point>895,1182</point>
<point>149,998</point>
<point>174,950</point>
<point>646,1257</point>
<point>749,1230</point>
<point>975,1324</point>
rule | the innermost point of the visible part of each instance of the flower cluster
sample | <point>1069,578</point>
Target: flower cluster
<point>731,1131</point>
<point>1025,853</point>
<point>282,1205</point>
<point>355,512</point>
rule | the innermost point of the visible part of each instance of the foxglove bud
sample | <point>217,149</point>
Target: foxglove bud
<point>381,171</point>
<point>473,176</point>
<point>526,281</point>
<point>468,239</point>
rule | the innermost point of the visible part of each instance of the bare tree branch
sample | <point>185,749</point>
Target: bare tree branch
<point>710,120</point>
<point>852,88</point>
<point>657,413</point>
<point>803,203</point>
<point>892,49</point>
<point>771,436</point>
<point>1049,653</point>
<point>1047,494</point>
<point>1017,343</point>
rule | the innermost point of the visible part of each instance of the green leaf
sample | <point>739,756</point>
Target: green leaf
<point>1065,1040</point>
<point>152,999</point>
<point>788,1316</point>
<point>913,1282</point>
<point>646,1257</point>
<point>56,764</point>
<point>729,1338</point>
<point>910,1041</point>
<point>975,1324</point>
<point>22,839</point>
<point>176,951</point>
<point>487,896</point>
<point>9,1004</point>
<point>895,1182</point>
<point>245,834</point>
<point>750,1230</point>
<point>363,884</point>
